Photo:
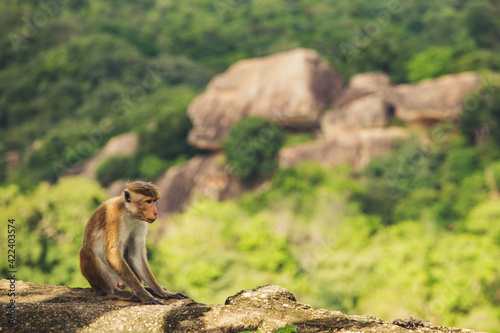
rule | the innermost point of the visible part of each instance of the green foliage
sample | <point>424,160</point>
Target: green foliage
<point>300,186</point>
<point>251,147</point>
<point>50,222</point>
<point>480,121</point>
<point>327,252</point>
<point>493,173</point>
<point>476,60</point>
<point>167,125</point>
<point>460,162</point>
<point>415,233</point>
<point>440,182</point>
<point>231,254</point>
<point>287,329</point>
<point>295,138</point>
<point>85,66</point>
<point>113,168</point>
<point>483,25</point>
<point>151,167</point>
<point>430,63</point>
<point>389,180</point>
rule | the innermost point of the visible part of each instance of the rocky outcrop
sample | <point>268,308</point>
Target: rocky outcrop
<point>425,102</point>
<point>290,88</point>
<point>357,148</point>
<point>116,188</point>
<point>355,131</point>
<point>370,82</point>
<point>433,100</point>
<point>124,144</point>
<point>46,308</point>
<point>293,89</point>
<point>370,111</point>
<point>203,174</point>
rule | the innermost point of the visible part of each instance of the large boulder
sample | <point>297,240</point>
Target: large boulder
<point>370,82</point>
<point>370,111</point>
<point>361,85</point>
<point>46,308</point>
<point>290,88</point>
<point>435,99</point>
<point>426,102</point>
<point>356,148</point>
<point>201,174</point>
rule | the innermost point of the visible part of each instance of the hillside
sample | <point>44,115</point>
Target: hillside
<point>74,75</point>
<point>349,153</point>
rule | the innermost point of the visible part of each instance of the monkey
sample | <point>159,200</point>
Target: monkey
<point>113,254</point>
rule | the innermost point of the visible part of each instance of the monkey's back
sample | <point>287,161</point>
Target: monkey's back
<point>104,218</point>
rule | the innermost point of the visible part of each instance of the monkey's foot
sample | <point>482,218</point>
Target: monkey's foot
<point>153,301</point>
<point>132,298</point>
<point>126,296</point>
<point>176,295</point>
<point>101,292</point>
<point>167,295</point>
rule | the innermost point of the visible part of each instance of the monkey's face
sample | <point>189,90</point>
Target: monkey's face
<point>141,206</point>
<point>147,211</point>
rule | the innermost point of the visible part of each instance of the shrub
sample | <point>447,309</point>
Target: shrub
<point>151,166</point>
<point>113,168</point>
<point>431,63</point>
<point>251,148</point>
<point>461,161</point>
<point>480,119</point>
<point>168,137</point>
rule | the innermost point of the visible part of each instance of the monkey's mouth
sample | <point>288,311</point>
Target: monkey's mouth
<point>150,220</point>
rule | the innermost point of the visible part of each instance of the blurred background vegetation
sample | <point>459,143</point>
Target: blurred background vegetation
<point>415,233</point>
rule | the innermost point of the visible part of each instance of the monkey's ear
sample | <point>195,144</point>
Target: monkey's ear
<point>126,195</point>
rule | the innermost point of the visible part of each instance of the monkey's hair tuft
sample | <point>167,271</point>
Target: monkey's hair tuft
<point>145,188</point>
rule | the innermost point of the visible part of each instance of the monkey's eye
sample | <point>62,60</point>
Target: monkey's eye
<point>149,201</point>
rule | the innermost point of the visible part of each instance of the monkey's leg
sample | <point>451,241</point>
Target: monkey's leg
<point>93,270</point>
<point>127,275</point>
<point>140,265</point>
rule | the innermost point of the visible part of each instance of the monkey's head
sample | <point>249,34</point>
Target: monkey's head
<point>140,199</point>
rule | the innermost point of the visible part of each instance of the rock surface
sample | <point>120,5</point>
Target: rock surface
<point>356,148</point>
<point>293,89</point>
<point>370,82</point>
<point>369,111</point>
<point>204,174</point>
<point>124,144</point>
<point>433,100</point>
<point>290,88</point>
<point>46,308</point>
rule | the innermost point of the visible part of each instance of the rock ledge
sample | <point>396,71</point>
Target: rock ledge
<point>46,308</point>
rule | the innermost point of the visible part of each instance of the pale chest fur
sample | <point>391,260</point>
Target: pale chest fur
<point>133,232</point>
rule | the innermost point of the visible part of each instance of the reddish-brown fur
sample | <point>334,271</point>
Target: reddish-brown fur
<point>114,245</point>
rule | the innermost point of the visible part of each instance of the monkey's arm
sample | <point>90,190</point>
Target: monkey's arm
<point>123,270</point>
<point>142,268</point>
<point>158,289</point>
